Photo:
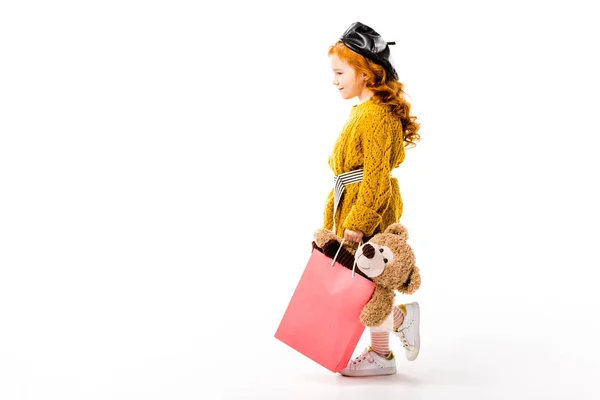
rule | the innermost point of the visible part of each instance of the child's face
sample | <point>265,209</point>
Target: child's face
<point>345,78</point>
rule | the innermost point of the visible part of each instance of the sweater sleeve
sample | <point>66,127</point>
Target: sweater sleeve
<point>374,192</point>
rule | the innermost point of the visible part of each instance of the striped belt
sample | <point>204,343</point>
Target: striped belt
<point>340,181</point>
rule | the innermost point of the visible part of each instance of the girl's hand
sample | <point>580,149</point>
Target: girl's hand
<point>353,236</point>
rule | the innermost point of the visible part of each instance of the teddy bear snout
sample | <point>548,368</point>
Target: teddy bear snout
<point>368,251</point>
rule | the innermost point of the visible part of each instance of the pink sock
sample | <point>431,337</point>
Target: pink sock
<point>380,342</point>
<point>398,318</point>
<point>380,339</point>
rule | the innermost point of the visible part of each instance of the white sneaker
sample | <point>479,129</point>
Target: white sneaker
<point>408,331</point>
<point>370,363</point>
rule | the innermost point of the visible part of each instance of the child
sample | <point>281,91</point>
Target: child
<point>366,198</point>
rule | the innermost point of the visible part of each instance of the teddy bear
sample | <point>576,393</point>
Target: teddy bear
<point>386,259</point>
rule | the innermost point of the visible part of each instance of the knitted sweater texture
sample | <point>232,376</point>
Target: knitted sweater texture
<point>371,139</point>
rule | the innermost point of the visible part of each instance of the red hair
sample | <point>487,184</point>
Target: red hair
<point>385,89</point>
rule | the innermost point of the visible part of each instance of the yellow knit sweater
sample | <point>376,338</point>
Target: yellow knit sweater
<point>371,139</point>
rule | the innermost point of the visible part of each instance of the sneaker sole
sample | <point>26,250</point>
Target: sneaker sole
<point>417,324</point>
<point>369,372</point>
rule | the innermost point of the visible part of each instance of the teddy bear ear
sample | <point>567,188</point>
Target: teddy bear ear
<point>322,236</point>
<point>398,229</point>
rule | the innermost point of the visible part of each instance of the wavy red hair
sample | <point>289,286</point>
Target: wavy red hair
<point>385,89</point>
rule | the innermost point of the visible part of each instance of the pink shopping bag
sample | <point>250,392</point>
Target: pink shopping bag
<point>322,320</point>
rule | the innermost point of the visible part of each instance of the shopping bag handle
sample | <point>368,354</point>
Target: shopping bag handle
<point>338,252</point>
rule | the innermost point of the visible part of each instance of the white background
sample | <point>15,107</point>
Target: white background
<point>163,165</point>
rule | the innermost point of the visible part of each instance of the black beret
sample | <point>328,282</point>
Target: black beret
<point>363,40</point>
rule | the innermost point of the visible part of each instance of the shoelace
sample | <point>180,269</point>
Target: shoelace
<point>403,334</point>
<point>364,356</point>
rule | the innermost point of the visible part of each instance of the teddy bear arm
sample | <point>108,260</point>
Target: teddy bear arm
<point>378,308</point>
<point>412,284</point>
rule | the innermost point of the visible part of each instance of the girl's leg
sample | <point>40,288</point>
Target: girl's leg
<point>380,337</point>
<point>380,341</point>
<point>408,329</point>
<point>399,313</point>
